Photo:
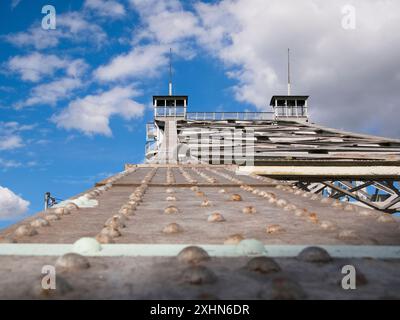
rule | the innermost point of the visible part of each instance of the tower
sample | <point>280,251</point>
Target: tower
<point>288,107</point>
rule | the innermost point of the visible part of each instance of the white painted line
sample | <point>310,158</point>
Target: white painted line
<point>168,250</point>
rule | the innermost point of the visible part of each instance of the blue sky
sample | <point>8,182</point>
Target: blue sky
<point>74,101</point>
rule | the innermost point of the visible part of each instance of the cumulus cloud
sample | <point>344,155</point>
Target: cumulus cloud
<point>11,205</point>
<point>7,164</point>
<point>50,93</point>
<point>349,74</point>
<point>10,142</point>
<point>106,8</point>
<point>73,26</point>
<point>33,67</point>
<point>165,21</point>
<point>91,114</point>
<point>10,135</point>
<point>140,61</point>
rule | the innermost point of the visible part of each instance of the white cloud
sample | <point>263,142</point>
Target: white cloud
<point>140,61</point>
<point>10,135</point>
<point>72,26</point>
<point>29,67</point>
<point>7,164</point>
<point>92,114</point>
<point>34,66</point>
<point>106,8</point>
<point>165,21</point>
<point>11,205</point>
<point>10,142</point>
<point>50,93</point>
<point>13,126</point>
<point>337,67</point>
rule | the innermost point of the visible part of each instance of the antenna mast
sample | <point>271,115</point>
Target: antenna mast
<point>288,67</point>
<point>170,73</point>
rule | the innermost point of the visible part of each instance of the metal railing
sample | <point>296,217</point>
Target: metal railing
<point>229,115</point>
<point>170,112</point>
<point>151,147</point>
<point>151,131</point>
<point>290,111</point>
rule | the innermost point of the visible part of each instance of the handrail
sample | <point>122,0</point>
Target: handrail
<point>229,115</point>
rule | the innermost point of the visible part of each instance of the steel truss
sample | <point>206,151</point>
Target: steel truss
<point>383,195</point>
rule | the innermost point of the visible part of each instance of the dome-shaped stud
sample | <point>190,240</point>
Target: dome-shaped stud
<point>52,217</point>
<point>286,289</point>
<point>132,204</point>
<point>300,212</point>
<point>126,211</point>
<point>169,190</point>
<point>104,239</point>
<point>313,217</point>
<point>221,191</point>
<point>40,222</point>
<point>263,265</point>
<point>289,207</point>
<point>337,204</point>
<point>62,211</point>
<point>205,203</point>
<point>250,247</point>
<point>274,228</point>
<point>171,210</point>
<point>236,197</point>
<point>112,232</point>
<point>198,275</point>
<point>200,194</point>
<point>349,207</point>
<point>86,245</point>
<point>314,254</point>
<point>367,213</point>
<point>234,239</point>
<point>172,228</point>
<point>71,206</point>
<point>385,218</point>
<point>281,203</point>
<point>170,198</point>
<point>72,262</point>
<point>315,197</point>
<point>115,222</point>
<point>249,210</point>
<point>193,255</point>
<point>327,200</point>
<point>25,230</point>
<point>215,217</point>
<point>347,235</point>
<point>328,225</point>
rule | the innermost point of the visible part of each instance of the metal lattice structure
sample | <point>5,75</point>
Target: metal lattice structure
<point>359,168</point>
<point>382,195</point>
